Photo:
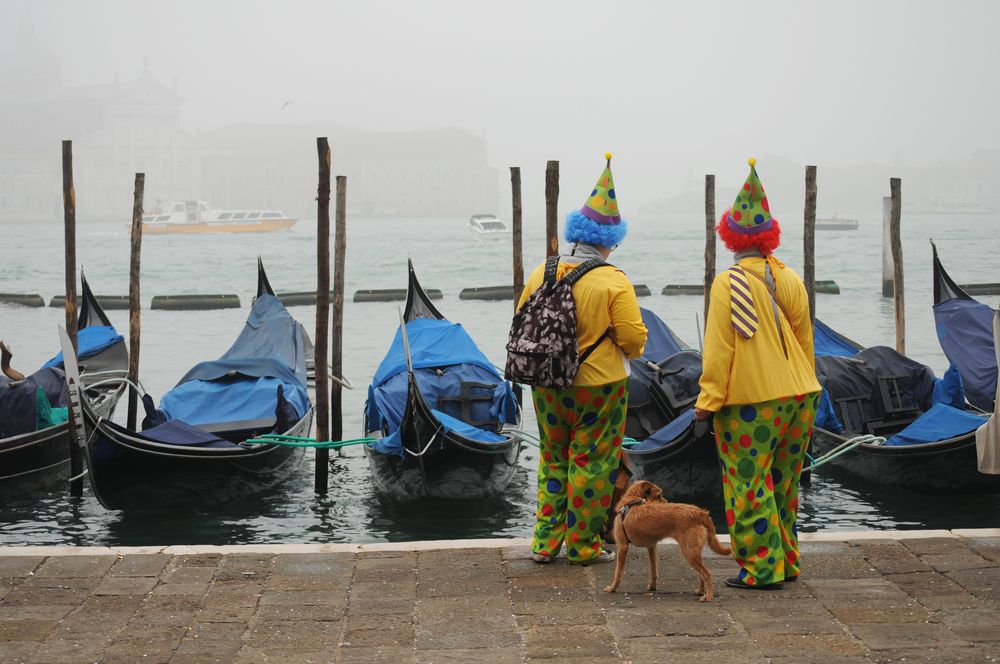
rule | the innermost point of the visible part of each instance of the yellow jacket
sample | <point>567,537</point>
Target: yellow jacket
<point>748,371</point>
<point>605,300</point>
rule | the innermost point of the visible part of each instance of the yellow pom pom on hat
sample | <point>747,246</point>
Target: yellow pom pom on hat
<point>602,205</point>
<point>750,213</point>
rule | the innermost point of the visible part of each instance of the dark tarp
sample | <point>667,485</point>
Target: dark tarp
<point>964,329</point>
<point>827,341</point>
<point>243,384</point>
<point>19,400</point>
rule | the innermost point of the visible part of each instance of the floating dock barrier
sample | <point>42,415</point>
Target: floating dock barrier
<point>488,293</point>
<point>981,289</point>
<point>827,286</point>
<point>391,295</point>
<point>24,299</point>
<point>299,298</point>
<point>641,290</point>
<point>187,302</point>
<point>107,302</point>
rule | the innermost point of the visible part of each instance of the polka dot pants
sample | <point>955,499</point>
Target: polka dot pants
<point>581,431</point>
<point>762,447</point>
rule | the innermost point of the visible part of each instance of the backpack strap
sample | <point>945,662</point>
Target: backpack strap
<point>583,268</point>
<point>551,266</point>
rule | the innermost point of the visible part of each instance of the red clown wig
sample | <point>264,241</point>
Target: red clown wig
<point>765,242</point>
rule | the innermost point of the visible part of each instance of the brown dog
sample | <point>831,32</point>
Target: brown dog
<point>645,517</point>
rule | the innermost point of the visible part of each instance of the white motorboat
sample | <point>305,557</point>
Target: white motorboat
<point>488,227</point>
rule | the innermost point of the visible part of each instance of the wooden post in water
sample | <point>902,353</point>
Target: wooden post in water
<point>69,239</point>
<point>69,235</point>
<point>809,240</point>
<point>551,208</point>
<point>895,186</point>
<point>709,240</point>
<point>337,338</point>
<point>322,313</point>
<point>886,246</point>
<point>515,194</point>
<point>133,299</point>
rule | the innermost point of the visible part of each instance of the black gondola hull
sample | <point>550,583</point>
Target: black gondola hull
<point>451,469</point>
<point>943,468</point>
<point>127,473</point>
<point>687,469</point>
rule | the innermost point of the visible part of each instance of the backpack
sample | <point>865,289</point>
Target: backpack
<point>542,346</point>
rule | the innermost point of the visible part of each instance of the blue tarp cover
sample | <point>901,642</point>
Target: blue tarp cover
<point>243,383</point>
<point>667,434</point>
<point>176,432</point>
<point>827,341</point>
<point>89,341</point>
<point>964,328</point>
<point>444,356</point>
<point>660,342</point>
<point>939,423</point>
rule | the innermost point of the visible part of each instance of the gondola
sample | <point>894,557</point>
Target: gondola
<point>34,435</point>
<point>191,451</point>
<point>437,408</point>
<point>674,451</point>
<point>965,332</point>
<point>929,430</point>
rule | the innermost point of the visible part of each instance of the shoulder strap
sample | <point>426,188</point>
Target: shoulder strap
<point>551,266</point>
<point>583,268</point>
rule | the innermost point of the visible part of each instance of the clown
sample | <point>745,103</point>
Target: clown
<point>759,381</point>
<point>581,427</point>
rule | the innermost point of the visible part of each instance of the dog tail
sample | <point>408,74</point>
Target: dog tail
<point>713,542</point>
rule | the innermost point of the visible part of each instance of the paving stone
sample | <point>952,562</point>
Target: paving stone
<point>26,630</point>
<point>31,596</point>
<point>197,560</point>
<point>961,560</point>
<point>880,611</point>
<point>906,565</point>
<point>983,583</point>
<point>689,648</point>
<point>138,585</point>
<point>935,655</point>
<point>293,635</point>
<point>542,642</point>
<point>389,654</point>
<point>837,567</point>
<point>276,582</point>
<point>57,612</point>
<point>17,651</point>
<point>386,575</point>
<point>458,622</point>
<point>279,612</point>
<point>140,565</point>
<point>336,598</point>
<point>70,652</point>
<point>929,546</point>
<point>375,605</point>
<point>250,655</point>
<point>75,567</point>
<point>987,547</point>
<point>380,630</point>
<point>887,637</point>
<point>851,588</point>
<point>319,565</point>
<point>203,657</point>
<point>509,655</point>
<point>925,584</point>
<point>788,645</point>
<point>19,566</point>
<point>550,614</point>
<point>793,619</point>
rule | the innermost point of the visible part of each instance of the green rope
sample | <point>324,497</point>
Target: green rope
<point>298,441</point>
<point>534,441</point>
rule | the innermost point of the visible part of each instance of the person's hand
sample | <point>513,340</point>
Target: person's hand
<point>702,415</point>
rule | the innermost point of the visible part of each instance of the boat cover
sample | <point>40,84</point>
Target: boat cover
<point>89,342</point>
<point>178,432</point>
<point>941,422</point>
<point>661,342</point>
<point>827,341</point>
<point>19,401</point>
<point>444,357</point>
<point>966,336</point>
<point>243,384</point>
<point>668,434</point>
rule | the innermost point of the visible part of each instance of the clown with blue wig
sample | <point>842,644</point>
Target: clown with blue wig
<point>581,427</point>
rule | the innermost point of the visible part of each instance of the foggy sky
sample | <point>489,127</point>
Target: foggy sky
<point>674,89</point>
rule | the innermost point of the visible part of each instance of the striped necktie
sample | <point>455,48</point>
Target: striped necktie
<point>742,312</point>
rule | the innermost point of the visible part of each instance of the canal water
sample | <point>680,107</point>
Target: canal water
<point>659,250</point>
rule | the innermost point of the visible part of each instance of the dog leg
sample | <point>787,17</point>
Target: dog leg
<point>652,568</point>
<point>621,553</point>
<point>691,550</point>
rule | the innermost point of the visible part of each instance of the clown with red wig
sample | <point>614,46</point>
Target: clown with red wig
<point>759,381</point>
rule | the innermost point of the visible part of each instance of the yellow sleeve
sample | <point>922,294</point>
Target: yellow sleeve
<point>531,285</point>
<point>720,344</point>
<point>802,324</point>
<point>626,319</point>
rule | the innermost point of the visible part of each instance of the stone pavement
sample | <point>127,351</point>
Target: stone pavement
<point>863,597</point>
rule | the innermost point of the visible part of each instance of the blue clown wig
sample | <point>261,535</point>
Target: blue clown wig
<point>580,228</point>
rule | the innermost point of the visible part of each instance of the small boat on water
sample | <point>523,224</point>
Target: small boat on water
<point>488,227</point>
<point>191,451</point>
<point>34,434</point>
<point>437,408</point>
<point>198,217</point>
<point>965,331</point>
<point>921,432</point>
<point>675,451</point>
<point>835,223</point>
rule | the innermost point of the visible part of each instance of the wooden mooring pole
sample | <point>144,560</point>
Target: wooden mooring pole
<point>515,194</point>
<point>69,239</point>
<point>809,240</point>
<point>709,241</point>
<point>895,187</point>
<point>337,338</point>
<point>134,327</point>
<point>322,342</point>
<point>551,208</point>
<point>886,246</point>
